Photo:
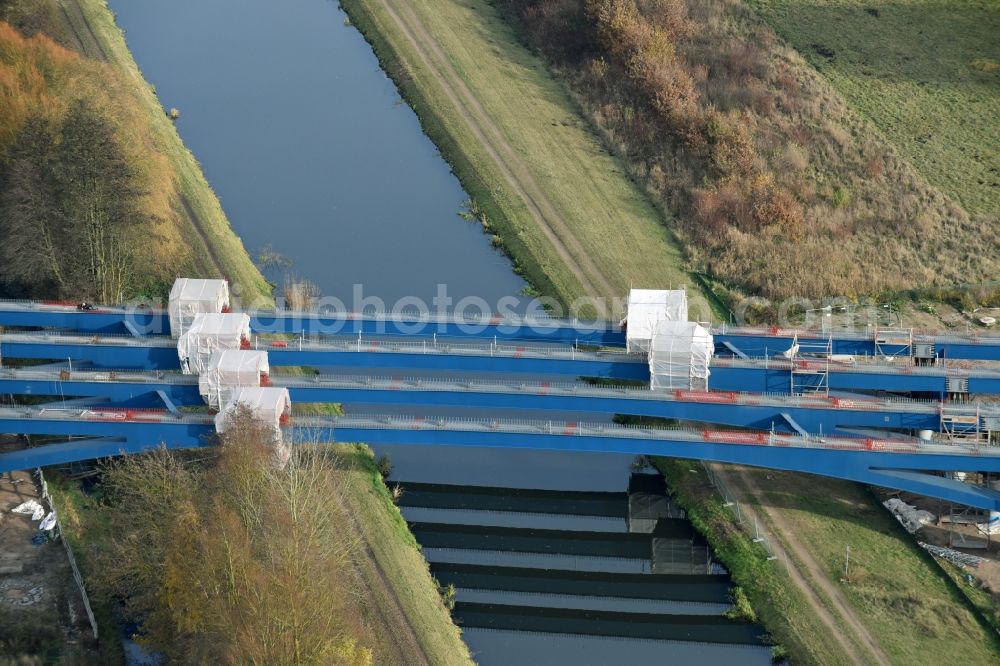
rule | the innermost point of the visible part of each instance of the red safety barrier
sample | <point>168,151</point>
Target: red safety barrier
<point>733,437</point>
<point>279,343</point>
<point>719,397</point>
<point>570,428</point>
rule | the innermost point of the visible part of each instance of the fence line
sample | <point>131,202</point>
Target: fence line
<point>69,554</point>
<point>757,532</point>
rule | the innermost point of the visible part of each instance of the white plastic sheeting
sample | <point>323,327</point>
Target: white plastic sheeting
<point>679,356</point>
<point>31,508</point>
<point>910,517</point>
<point>189,297</point>
<point>648,307</point>
<point>269,405</point>
<point>229,369</point>
<point>209,333</point>
<point>48,522</point>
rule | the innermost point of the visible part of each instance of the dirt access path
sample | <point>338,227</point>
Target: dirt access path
<point>510,164</point>
<point>806,572</point>
<point>394,627</point>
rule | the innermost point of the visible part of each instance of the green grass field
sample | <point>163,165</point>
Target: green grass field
<point>912,608</point>
<point>926,74</point>
<point>779,604</point>
<point>609,217</point>
<point>907,602</point>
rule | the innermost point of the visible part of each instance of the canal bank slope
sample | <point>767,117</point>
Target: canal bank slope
<point>894,604</point>
<point>554,198</point>
<point>195,238</point>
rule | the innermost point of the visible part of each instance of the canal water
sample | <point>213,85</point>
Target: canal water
<point>315,157</point>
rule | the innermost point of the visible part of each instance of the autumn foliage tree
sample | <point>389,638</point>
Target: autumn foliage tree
<point>70,206</point>
<point>240,562</point>
<point>84,189</point>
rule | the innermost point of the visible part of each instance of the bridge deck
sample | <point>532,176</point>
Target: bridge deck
<point>728,374</point>
<point>868,461</point>
<point>510,327</point>
<point>815,414</point>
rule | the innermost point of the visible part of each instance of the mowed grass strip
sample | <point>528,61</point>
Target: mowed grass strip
<point>608,216</point>
<point>399,558</point>
<point>202,224</point>
<point>927,75</point>
<point>908,603</point>
<point>779,604</point>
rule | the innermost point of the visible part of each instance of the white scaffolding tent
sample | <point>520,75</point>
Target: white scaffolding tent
<point>646,308</point>
<point>679,356</point>
<point>230,369</point>
<point>189,297</point>
<point>209,333</point>
<point>270,406</point>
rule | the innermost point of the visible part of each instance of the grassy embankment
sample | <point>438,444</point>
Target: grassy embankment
<point>780,188</point>
<point>186,231</point>
<point>215,247</point>
<point>540,167</point>
<point>915,611</point>
<point>925,74</point>
<point>398,555</point>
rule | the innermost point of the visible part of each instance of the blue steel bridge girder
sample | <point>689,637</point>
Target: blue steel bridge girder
<point>147,322</point>
<point>62,453</point>
<point>783,417</point>
<point>751,343</point>
<point>900,470</point>
<point>762,378</point>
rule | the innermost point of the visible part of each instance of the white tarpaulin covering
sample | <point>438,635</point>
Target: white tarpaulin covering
<point>31,508</point>
<point>679,355</point>
<point>646,308</point>
<point>188,297</point>
<point>269,405</point>
<point>910,517</point>
<point>229,369</point>
<point>209,333</point>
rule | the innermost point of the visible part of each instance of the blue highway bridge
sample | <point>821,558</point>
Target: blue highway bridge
<point>112,387</point>
<point>897,464</point>
<point>727,374</point>
<point>740,342</point>
<point>804,415</point>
